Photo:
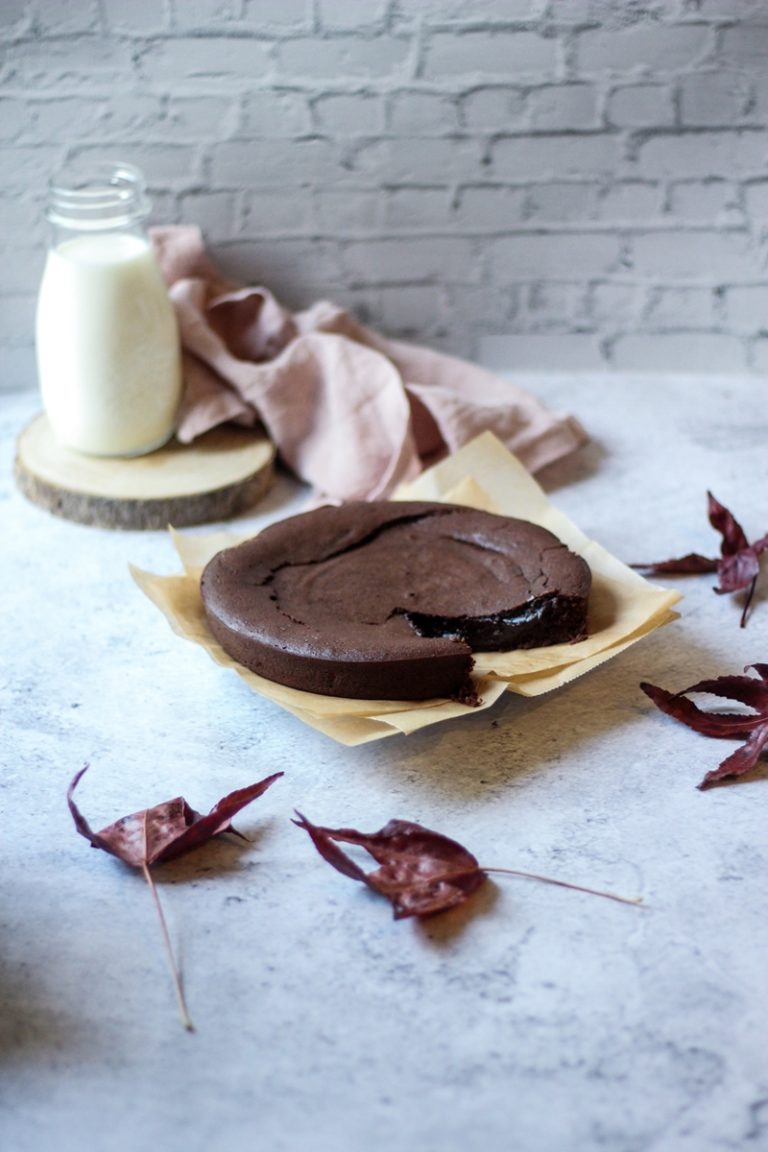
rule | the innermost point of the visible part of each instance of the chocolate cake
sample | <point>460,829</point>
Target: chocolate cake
<point>389,600</point>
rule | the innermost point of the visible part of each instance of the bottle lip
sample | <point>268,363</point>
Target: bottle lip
<point>105,194</point>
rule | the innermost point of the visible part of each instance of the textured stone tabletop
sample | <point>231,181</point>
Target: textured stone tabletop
<point>534,1020</point>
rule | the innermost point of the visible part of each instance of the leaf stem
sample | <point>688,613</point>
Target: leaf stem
<point>183,1012</point>
<point>637,900</point>
<point>748,601</point>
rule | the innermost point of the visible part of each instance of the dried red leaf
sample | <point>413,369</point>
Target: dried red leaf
<point>167,830</point>
<point>422,872</point>
<point>738,565</point>
<point>750,727</point>
<point>162,833</point>
<point>691,565</point>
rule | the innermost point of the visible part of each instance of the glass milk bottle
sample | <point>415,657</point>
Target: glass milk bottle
<point>108,350</point>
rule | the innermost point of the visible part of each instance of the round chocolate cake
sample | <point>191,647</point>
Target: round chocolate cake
<point>389,600</point>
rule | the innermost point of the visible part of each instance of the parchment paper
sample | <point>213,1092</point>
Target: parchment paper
<point>624,607</point>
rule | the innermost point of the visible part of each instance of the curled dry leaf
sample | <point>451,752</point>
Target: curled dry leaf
<point>738,565</point>
<point>165,832</point>
<point>421,872</point>
<point>751,727</point>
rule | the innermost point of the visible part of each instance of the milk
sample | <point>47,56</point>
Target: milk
<point>107,346</point>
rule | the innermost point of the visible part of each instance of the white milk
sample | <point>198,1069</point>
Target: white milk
<point>107,346</point>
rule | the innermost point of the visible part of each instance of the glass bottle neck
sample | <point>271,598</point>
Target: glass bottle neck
<point>95,199</point>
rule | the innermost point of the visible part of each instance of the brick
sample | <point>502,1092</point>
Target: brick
<point>354,114</point>
<point>15,118</point>
<point>129,116</point>
<point>17,321</point>
<point>216,213</point>
<point>718,10</point>
<point>349,211</point>
<point>756,199</point>
<point>21,267</point>
<point>538,256</point>
<point>747,308</point>
<point>745,45</point>
<point>486,209</point>
<point>163,206</point>
<point>549,304</point>
<point>488,306</point>
<point>542,352</point>
<point>561,202</point>
<point>481,53</point>
<point>470,11</point>
<point>278,15</point>
<point>555,156</point>
<point>204,15</point>
<point>67,18</point>
<point>615,304</point>
<point>422,208</point>
<point>561,106</point>
<point>629,201</point>
<point>758,110</point>
<point>23,216</point>
<point>681,308</point>
<point>411,260</point>
<point>16,18</point>
<point>417,160</point>
<point>269,211</point>
<point>657,48</point>
<point>679,352</point>
<point>489,108</point>
<point>230,60</point>
<point>641,106</point>
<point>297,271</point>
<point>71,63</point>
<point>279,163</point>
<point>140,17</point>
<point>162,164</point>
<point>572,12</point>
<point>705,200</point>
<point>276,113</point>
<point>713,256</point>
<point>346,56</point>
<point>192,118</point>
<point>726,153</point>
<point>29,168</point>
<point>340,15</point>
<point>711,98</point>
<point>19,368</point>
<point>409,310</point>
<point>411,113</point>
<point>759,356</point>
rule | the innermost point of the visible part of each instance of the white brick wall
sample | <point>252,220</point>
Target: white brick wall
<point>568,183</point>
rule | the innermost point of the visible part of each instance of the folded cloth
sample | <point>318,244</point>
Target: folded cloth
<point>350,412</point>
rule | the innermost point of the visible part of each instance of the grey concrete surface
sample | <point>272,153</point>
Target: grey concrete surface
<point>534,1020</point>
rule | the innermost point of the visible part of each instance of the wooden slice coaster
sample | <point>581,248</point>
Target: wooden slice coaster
<point>181,484</point>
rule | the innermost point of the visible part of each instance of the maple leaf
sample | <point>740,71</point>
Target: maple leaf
<point>738,565</point>
<point>165,832</point>
<point>421,872</point>
<point>752,727</point>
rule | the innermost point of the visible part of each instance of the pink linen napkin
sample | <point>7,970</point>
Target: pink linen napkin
<point>351,413</point>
